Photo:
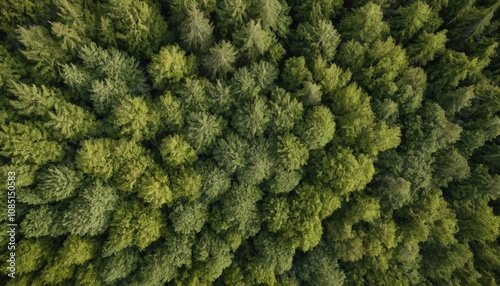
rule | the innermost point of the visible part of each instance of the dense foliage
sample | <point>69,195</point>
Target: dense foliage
<point>246,142</point>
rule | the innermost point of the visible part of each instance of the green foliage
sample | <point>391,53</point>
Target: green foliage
<point>43,51</point>
<point>253,40</point>
<point>221,59</point>
<point>170,65</point>
<point>410,19</point>
<point>135,119</point>
<point>427,46</point>
<point>154,187</point>
<point>196,30</point>
<point>252,118</point>
<point>133,225</point>
<point>28,143</point>
<point>364,24</point>
<point>137,26</point>
<point>176,151</point>
<point>189,218</point>
<point>320,268</point>
<point>252,142</point>
<point>317,128</point>
<point>89,213</point>
<point>320,39</point>
<point>291,152</point>
<point>202,129</point>
<point>58,182</point>
<point>119,265</point>
<point>286,110</point>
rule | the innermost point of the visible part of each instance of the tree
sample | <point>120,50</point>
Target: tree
<point>136,25</point>
<point>364,24</point>
<point>134,119</point>
<point>89,213</point>
<point>354,114</point>
<point>133,224</point>
<point>220,98</point>
<point>331,77</point>
<point>193,94</point>
<point>259,163</point>
<point>291,152</point>
<point>319,39</point>
<point>170,65</point>
<point>42,49</point>
<point>230,15</point>
<point>189,218</point>
<point>196,30</point>
<point>320,268</point>
<point>427,46</point>
<point>176,151</point>
<point>154,187</point>
<point>230,152</point>
<point>186,184</point>
<point>71,122</point>
<point>252,40</point>
<point>202,129</point>
<point>282,181</point>
<point>169,109</point>
<point>211,256</point>
<point>411,87</point>
<point>119,265</point>
<point>252,119</point>
<point>410,19</point>
<point>33,100</point>
<point>221,59</point>
<point>215,181</point>
<point>27,143</point>
<point>58,182</point>
<point>347,173</point>
<point>42,221</point>
<point>295,73</point>
<point>317,128</point>
<point>286,110</point>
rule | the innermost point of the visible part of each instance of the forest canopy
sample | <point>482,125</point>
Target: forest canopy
<point>251,142</point>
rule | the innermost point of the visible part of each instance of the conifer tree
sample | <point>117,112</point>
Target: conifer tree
<point>364,24</point>
<point>317,128</point>
<point>196,30</point>
<point>221,59</point>
<point>170,65</point>
<point>252,40</point>
<point>136,25</point>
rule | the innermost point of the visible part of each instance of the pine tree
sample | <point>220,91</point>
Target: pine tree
<point>221,59</point>
<point>252,40</point>
<point>317,128</point>
<point>44,51</point>
<point>286,111</point>
<point>176,151</point>
<point>189,218</point>
<point>202,129</point>
<point>364,24</point>
<point>252,118</point>
<point>427,46</point>
<point>135,119</point>
<point>196,30</point>
<point>136,25</point>
<point>89,213</point>
<point>410,19</point>
<point>292,154</point>
<point>318,40</point>
<point>170,65</point>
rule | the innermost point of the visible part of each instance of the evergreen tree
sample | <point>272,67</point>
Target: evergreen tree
<point>196,30</point>
<point>136,25</point>
<point>252,40</point>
